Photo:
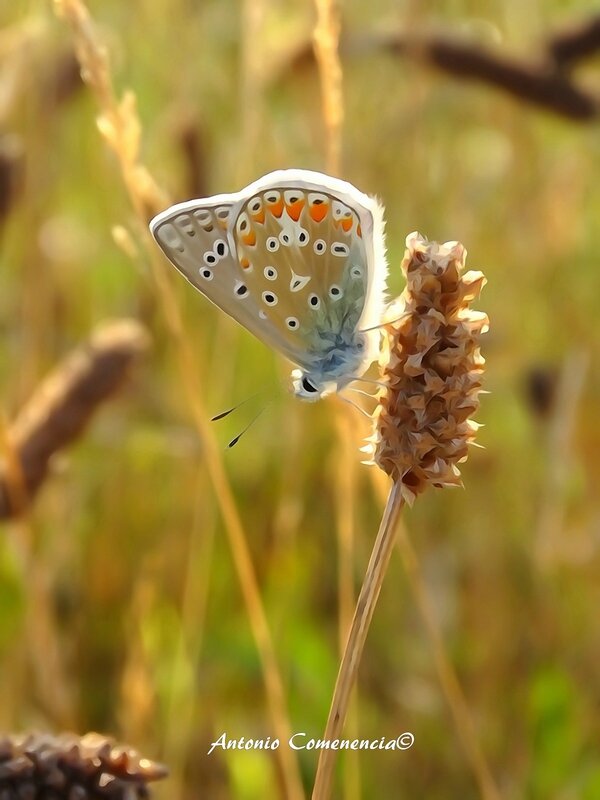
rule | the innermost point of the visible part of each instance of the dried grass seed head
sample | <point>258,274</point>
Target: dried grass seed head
<point>432,369</point>
<point>74,768</point>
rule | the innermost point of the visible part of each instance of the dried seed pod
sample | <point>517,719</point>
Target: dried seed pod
<point>12,169</point>
<point>432,369</point>
<point>69,767</point>
<point>63,405</point>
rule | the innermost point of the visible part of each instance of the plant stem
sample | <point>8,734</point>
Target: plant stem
<point>363,614</point>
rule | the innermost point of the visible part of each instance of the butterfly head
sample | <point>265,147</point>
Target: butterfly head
<point>336,367</point>
<point>311,387</point>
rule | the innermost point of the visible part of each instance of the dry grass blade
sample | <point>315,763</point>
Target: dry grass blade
<point>363,614</point>
<point>121,129</point>
<point>326,41</point>
<point>326,36</point>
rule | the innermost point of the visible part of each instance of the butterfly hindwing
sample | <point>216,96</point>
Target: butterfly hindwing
<point>306,263</point>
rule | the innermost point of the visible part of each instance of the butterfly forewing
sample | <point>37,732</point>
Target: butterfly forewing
<point>194,236</point>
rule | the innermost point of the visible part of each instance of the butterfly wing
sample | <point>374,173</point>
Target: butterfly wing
<point>195,237</point>
<point>307,243</point>
<point>297,258</point>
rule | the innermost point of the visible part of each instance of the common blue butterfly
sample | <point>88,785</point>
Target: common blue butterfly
<point>297,258</point>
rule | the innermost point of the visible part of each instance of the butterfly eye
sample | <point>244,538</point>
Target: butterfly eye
<point>270,298</point>
<point>270,273</point>
<point>319,246</point>
<point>302,237</point>
<point>340,249</point>
<point>240,289</point>
<point>206,274</point>
<point>313,301</point>
<point>210,258</point>
<point>292,323</point>
<point>335,292</point>
<point>308,386</point>
<point>272,244</point>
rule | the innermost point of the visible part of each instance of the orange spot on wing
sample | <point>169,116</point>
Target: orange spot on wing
<point>359,231</point>
<point>222,223</point>
<point>295,209</point>
<point>346,223</point>
<point>249,238</point>
<point>318,212</point>
<point>244,263</point>
<point>276,208</point>
<point>259,216</point>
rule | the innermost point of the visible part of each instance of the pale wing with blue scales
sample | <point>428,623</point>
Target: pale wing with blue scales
<point>298,258</point>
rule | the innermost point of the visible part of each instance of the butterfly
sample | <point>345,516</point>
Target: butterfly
<point>297,258</point>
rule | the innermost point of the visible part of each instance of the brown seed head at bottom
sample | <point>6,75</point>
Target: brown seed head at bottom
<point>432,369</point>
<point>90,767</point>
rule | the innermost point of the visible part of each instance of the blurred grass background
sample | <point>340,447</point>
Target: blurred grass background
<point>120,609</point>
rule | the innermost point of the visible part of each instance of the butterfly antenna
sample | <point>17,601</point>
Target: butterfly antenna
<point>236,439</point>
<point>224,414</point>
<point>356,406</point>
<point>384,324</point>
<point>372,381</point>
<point>361,391</point>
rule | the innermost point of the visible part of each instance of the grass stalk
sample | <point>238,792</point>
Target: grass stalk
<point>363,614</point>
<point>326,37</point>
<point>346,481</point>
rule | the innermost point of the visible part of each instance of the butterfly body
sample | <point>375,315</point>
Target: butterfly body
<point>298,259</point>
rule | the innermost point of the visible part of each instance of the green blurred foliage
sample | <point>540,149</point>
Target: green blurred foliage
<point>119,603</point>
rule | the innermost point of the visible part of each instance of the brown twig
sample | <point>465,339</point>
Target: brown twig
<point>535,83</point>
<point>12,166</point>
<point>191,140</point>
<point>61,408</point>
<point>544,81</point>
<point>575,43</point>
